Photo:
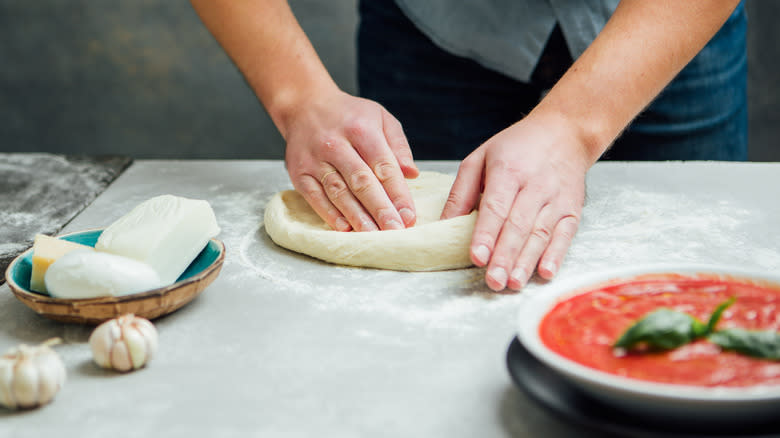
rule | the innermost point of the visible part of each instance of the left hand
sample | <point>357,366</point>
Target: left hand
<point>533,174</point>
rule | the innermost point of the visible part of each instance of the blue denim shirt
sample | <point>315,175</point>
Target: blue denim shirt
<point>508,35</point>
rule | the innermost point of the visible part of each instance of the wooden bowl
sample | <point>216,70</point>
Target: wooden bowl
<point>149,304</point>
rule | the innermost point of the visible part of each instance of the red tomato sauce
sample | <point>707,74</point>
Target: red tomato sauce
<point>584,327</point>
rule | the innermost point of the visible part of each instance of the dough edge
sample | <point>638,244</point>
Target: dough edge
<point>434,246</point>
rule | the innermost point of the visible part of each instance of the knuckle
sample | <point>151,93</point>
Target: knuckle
<point>309,189</point>
<point>390,120</point>
<point>567,227</point>
<point>543,233</point>
<point>508,168</point>
<point>334,187</point>
<point>384,171</point>
<point>572,216</point>
<point>498,165</point>
<point>495,206</point>
<point>300,177</point>
<point>394,132</point>
<point>360,181</point>
<point>517,223</point>
<point>356,127</point>
<point>567,234</point>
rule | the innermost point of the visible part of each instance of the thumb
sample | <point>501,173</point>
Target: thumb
<point>467,188</point>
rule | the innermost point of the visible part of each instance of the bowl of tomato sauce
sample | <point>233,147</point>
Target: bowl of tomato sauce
<point>695,342</point>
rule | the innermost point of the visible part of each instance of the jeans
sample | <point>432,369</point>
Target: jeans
<point>449,105</point>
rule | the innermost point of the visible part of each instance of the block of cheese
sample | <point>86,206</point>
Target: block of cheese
<point>89,274</point>
<point>46,250</point>
<point>166,232</point>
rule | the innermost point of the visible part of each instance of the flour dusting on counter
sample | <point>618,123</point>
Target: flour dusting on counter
<point>626,225</point>
<point>443,300</point>
<point>622,225</point>
<point>449,300</point>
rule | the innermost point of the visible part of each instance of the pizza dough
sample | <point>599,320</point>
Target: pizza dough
<point>430,245</point>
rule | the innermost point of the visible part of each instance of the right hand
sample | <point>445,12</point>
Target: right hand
<point>528,182</point>
<point>348,157</point>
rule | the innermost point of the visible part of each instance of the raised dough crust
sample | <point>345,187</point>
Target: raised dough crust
<point>430,245</point>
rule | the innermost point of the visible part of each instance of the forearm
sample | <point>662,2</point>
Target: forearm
<point>640,50</point>
<point>270,49</point>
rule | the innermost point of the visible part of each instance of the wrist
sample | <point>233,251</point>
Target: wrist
<point>286,102</point>
<point>586,140</point>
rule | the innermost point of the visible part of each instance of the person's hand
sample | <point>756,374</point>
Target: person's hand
<point>531,179</point>
<point>348,158</point>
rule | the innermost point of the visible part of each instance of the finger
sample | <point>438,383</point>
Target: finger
<point>394,183</point>
<point>385,160</point>
<point>364,186</point>
<point>340,195</point>
<point>501,188</point>
<point>399,145</point>
<point>535,245</point>
<point>315,196</point>
<point>562,237</point>
<point>466,189</point>
<point>514,235</point>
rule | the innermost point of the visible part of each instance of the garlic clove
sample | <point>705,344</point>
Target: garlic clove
<point>136,346</point>
<point>120,357</point>
<point>150,336</point>
<point>6,379</point>
<point>25,384</point>
<point>51,376</point>
<point>100,342</point>
<point>124,343</point>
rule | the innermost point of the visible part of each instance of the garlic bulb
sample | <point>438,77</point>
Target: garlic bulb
<point>124,343</point>
<point>30,376</point>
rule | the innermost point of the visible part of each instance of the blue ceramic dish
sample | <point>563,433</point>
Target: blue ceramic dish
<point>149,304</point>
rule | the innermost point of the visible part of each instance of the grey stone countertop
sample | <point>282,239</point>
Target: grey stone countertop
<point>40,193</point>
<point>282,345</point>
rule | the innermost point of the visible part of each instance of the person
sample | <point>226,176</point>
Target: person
<point>530,94</point>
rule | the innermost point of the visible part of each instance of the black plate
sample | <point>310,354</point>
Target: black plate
<point>553,391</point>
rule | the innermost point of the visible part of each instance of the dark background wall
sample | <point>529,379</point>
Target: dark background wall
<point>144,78</point>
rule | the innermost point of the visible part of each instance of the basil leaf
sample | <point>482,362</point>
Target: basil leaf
<point>662,329</point>
<point>715,317</point>
<point>761,344</point>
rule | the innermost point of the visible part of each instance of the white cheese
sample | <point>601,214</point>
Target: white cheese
<point>89,274</point>
<point>46,250</point>
<point>166,232</point>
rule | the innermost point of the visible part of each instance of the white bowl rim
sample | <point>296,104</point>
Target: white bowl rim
<point>536,304</point>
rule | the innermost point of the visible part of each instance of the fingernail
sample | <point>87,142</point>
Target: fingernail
<point>549,267</point>
<point>407,215</point>
<point>519,276</point>
<point>342,224</point>
<point>367,225</point>
<point>393,224</point>
<point>482,254</point>
<point>499,275</point>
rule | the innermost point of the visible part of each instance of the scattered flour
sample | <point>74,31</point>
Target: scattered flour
<point>621,226</point>
<point>452,300</point>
